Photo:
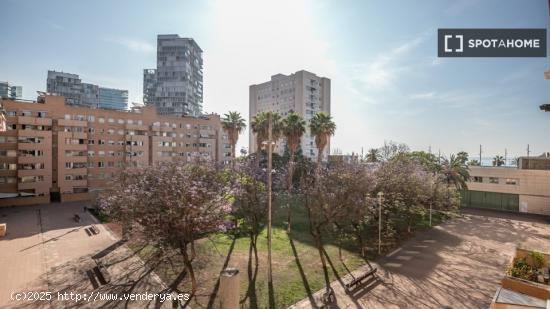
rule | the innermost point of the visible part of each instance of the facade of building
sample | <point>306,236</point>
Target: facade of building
<point>78,93</point>
<point>522,189</point>
<point>64,152</point>
<point>175,86</point>
<point>302,92</point>
<point>10,91</point>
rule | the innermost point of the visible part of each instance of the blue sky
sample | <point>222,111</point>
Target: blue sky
<point>387,82</point>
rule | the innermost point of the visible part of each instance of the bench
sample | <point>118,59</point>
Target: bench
<point>353,283</point>
<point>76,218</point>
<point>94,229</point>
<point>546,274</point>
<point>102,273</point>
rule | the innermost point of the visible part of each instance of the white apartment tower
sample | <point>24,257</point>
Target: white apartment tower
<point>302,92</point>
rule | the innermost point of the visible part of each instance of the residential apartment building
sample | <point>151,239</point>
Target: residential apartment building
<point>52,150</point>
<point>522,189</point>
<point>175,86</point>
<point>10,91</point>
<point>302,92</point>
<point>78,93</point>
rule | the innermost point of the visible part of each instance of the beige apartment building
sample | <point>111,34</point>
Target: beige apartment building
<point>55,151</point>
<point>302,92</point>
<point>522,189</point>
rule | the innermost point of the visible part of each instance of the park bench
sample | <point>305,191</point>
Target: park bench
<point>94,229</point>
<point>356,281</point>
<point>76,218</point>
<point>102,273</point>
<point>546,275</point>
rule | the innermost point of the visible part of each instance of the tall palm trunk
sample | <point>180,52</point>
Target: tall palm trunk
<point>321,148</point>
<point>290,174</point>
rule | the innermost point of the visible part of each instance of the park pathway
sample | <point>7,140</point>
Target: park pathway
<point>458,264</point>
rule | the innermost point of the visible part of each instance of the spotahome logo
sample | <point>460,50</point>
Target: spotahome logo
<point>491,42</point>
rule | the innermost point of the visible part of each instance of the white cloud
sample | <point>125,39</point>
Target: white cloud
<point>384,70</point>
<point>133,45</point>
<point>422,96</point>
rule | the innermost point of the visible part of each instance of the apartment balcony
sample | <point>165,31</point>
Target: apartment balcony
<point>29,185</point>
<point>8,187</point>
<point>32,159</point>
<point>8,159</point>
<point>35,133</point>
<point>8,146</point>
<point>139,127</point>
<point>34,121</point>
<point>36,172</point>
<point>79,147</point>
<point>12,173</point>
<point>79,135</point>
<point>76,159</point>
<point>72,123</point>
<point>73,183</point>
<point>34,146</point>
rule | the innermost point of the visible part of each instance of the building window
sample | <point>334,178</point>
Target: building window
<point>512,181</point>
<point>477,179</point>
<point>101,120</point>
<point>493,180</point>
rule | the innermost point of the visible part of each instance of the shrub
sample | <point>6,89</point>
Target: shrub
<point>537,259</point>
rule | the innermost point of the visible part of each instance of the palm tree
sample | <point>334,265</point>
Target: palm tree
<point>474,163</point>
<point>498,161</point>
<point>455,171</point>
<point>322,127</point>
<point>293,127</point>
<point>373,155</point>
<point>260,126</point>
<point>234,125</point>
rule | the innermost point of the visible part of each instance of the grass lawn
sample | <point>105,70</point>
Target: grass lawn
<point>297,270</point>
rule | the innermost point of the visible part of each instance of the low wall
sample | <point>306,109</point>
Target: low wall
<point>75,197</point>
<point>526,287</point>
<point>22,201</point>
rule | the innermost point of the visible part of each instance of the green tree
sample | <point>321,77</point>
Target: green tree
<point>260,127</point>
<point>233,124</point>
<point>293,127</point>
<point>322,127</point>
<point>456,172</point>
<point>474,163</point>
<point>373,155</point>
<point>428,160</point>
<point>498,161</point>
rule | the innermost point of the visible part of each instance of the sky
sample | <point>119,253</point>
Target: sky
<point>381,56</point>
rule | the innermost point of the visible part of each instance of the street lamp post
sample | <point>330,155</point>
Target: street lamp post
<point>380,197</point>
<point>269,145</point>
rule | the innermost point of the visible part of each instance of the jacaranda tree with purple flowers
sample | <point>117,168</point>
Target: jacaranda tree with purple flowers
<point>169,207</point>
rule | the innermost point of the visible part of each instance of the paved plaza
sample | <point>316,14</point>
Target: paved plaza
<point>46,250</point>
<point>458,264</point>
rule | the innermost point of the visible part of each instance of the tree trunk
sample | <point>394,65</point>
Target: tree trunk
<point>258,154</point>
<point>319,245</point>
<point>234,144</point>
<point>290,173</point>
<point>188,265</point>
<point>319,159</point>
